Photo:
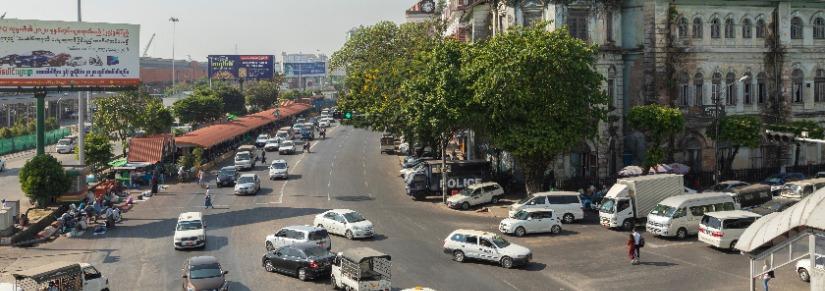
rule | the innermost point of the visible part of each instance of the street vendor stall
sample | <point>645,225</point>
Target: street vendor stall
<point>134,175</point>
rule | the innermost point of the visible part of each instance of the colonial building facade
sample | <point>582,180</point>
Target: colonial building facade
<point>764,58</point>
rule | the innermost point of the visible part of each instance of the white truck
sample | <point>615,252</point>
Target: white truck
<point>60,276</point>
<point>631,199</point>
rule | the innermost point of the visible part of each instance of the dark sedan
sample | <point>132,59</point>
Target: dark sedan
<point>775,205</point>
<point>304,261</point>
<point>227,176</point>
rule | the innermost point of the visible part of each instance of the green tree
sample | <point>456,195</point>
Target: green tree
<point>156,118</point>
<point>261,95</point>
<point>6,132</point>
<point>540,95</point>
<point>735,132</point>
<point>658,123</point>
<point>121,114</point>
<point>51,123</point>
<point>197,157</point>
<point>43,178</point>
<point>233,99</point>
<point>200,107</point>
<point>98,150</point>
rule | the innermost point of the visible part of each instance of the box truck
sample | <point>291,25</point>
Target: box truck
<point>630,200</point>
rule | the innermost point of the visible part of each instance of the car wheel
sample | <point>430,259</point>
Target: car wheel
<point>733,245</point>
<point>494,200</point>
<point>268,266</point>
<point>556,229</point>
<point>628,224</point>
<point>681,233</point>
<point>458,256</point>
<point>465,206</point>
<point>269,246</point>
<point>520,231</point>
<point>302,274</point>
<point>348,234</point>
<point>803,275</point>
<point>507,262</point>
<point>334,283</point>
<point>568,218</point>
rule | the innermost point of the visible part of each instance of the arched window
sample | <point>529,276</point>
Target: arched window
<point>729,32</point>
<point>716,88</point>
<point>760,28</point>
<point>761,88</point>
<point>684,87</point>
<point>714,28</point>
<point>797,79</point>
<point>819,86</point>
<point>730,88</point>
<point>611,85</point>
<point>747,28</point>
<point>682,27</point>
<point>747,90</point>
<point>819,28</point>
<point>697,27</point>
<point>698,89</point>
<point>796,28</point>
<point>608,20</point>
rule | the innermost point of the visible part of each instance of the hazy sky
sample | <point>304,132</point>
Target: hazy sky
<point>216,26</point>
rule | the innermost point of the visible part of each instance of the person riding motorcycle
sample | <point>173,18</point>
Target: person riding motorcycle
<point>306,146</point>
<point>323,133</point>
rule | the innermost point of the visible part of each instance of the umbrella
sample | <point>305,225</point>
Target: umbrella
<point>678,168</point>
<point>630,171</point>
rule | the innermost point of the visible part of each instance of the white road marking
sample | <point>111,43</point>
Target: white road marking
<point>653,245</point>
<point>510,284</point>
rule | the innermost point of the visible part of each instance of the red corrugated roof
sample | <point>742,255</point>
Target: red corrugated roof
<point>210,136</point>
<point>148,149</point>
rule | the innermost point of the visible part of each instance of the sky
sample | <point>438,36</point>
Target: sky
<point>217,26</point>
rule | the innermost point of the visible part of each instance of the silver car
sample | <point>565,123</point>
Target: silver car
<point>298,234</point>
<point>247,184</point>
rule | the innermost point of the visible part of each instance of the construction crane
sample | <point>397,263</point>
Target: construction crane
<point>146,50</point>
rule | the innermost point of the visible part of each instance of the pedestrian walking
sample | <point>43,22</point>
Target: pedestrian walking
<point>154,184</point>
<point>207,199</point>
<point>200,177</point>
<point>631,248</point>
<point>181,174</point>
<point>767,276</point>
<point>263,157</point>
<point>638,243</point>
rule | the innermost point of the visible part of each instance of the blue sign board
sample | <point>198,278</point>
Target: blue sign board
<point>305,69</point>
<point>237,67</point>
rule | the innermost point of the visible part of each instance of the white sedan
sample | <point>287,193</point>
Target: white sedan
<point>345,222</point>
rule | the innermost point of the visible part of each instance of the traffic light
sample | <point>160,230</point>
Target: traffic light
<point>780,137</point>
<point>348,115</point>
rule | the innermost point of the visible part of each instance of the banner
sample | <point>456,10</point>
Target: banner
<point>305,69</point>
<point>236,67</point>
<point>57,53</point>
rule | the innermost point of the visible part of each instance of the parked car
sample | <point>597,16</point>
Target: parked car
<point>722,229</point>
<point>190,231</point>
<point>278,169</point>
<point>286,147</point>
<point>271,145</point>
<point>304,261</point>
<point>679,216</point>
<point>298,234</point>
<point>565,203</point>
<point>775,205</point>
<point>531,221</point>
<point>803,265</point>
<point>64,146</point>
<point>204,273</point>
<point>227,176</point>
<point>261,140</point>
<point>776,181</point>
<point>248,184</point>
<point>820,175</point>
<point>727,186</point>
<point>465,244</point>
<point>476,194</point>
<point>348,223</point>
<point>414,162</point>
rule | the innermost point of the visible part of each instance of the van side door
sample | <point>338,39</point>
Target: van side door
<point>470,247</point>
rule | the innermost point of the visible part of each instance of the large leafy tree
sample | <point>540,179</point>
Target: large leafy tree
<point>540,95</point>
<point>200,107</point>
<point>658,123</point>
<point>156,118</point>
<point>261,95</point>
<point>233,99</point>
<point>735,132</point>
<point>121,114</point>
<point>98,150</point>
<point>43,178</point>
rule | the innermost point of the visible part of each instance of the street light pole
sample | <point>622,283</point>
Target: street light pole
<point>81,115</point>
<point>174,22</point>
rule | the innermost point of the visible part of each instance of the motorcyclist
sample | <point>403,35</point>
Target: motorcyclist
<point>323,133</point>
<point>306,146</point>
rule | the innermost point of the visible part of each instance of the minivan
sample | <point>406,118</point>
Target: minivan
<point>722,229</point>
<point>679,216</point>
<point>567,204</point>
<point>801,188</point>
<point>751,196</point>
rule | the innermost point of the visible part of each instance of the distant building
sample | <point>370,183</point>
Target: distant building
<point>305,71</point>
<point>156,73</point>
<point>421,11</point>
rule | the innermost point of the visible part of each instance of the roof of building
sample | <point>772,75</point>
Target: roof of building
<point>210,136</point>
<point>808,213</point>
<point>149,149</point>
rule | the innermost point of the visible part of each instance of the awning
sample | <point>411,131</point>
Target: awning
<point>810,213</point>
<point>118,163</point>
<point>149,149</point>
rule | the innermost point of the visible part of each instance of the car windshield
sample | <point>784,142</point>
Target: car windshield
<point>318,235</point>
<point>712,222</point>
<point>663,210</point>
<point>63,142</point>
<point>286,143</point>
<point>607,205</point>
<point>263,136</point>
<point>773,180</point>
<point>189,225</point>
<point>272,140</point>
<point>316,252</point>
<point>792,190</point>
<point>246,179</point>
<point>205,271</point>
<point>522,201</point>
<point>521,215</point>
<point>720,187</point>
<point>354,217</point>
<point>279,166</point>
<point>500,242</point>
<point>242,156</point>
<point>466,191</point>
<point>228,172</point>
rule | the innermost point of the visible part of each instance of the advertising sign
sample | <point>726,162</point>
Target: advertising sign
<point>57,53</point>
<point>313,69</point>
<point>236,67</point>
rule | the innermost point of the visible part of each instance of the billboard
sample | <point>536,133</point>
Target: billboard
<point>57,53</point>
<point>313,69</point>
<point>236,67</point>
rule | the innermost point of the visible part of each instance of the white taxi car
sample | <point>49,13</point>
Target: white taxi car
<point>465,244</point>
<point>476,194</point>
<point>190,232</point>
<point>348,223</point>
<point>531,221</point>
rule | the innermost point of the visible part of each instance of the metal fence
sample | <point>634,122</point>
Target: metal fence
<point>27,142</point>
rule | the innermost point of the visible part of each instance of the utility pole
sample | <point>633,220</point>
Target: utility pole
<point>174,22</point>
<point>81,114</point>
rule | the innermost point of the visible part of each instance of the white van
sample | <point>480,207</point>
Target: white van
<point>566,204</point>
<point>679,216</point>
<point>722,229</point>
<point>190,232</point>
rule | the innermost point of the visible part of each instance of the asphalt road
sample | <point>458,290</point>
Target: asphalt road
<point>347,171</point>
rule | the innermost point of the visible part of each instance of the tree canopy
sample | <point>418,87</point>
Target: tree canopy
<point>125,113</point>
<point>98,150</point>
<point>735,132</point>
<point>658,123</point>
<point>233,99</point>
<point>261,95</point>
<point>43,178</point>
<point>201,107</point>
